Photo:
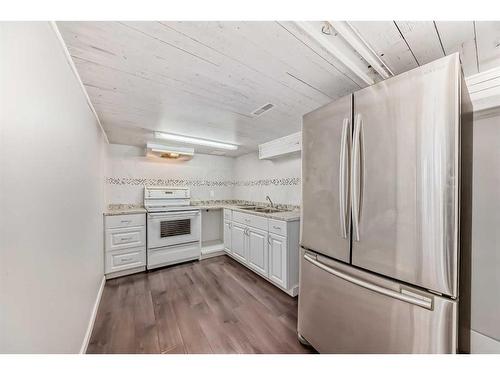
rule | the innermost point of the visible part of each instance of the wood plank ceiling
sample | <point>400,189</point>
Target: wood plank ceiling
<point>204,79</point>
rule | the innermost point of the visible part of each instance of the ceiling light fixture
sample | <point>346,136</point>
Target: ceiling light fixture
<point>195,141</point>
<point>170,152</point>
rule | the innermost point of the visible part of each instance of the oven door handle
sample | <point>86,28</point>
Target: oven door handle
<point>173,215</point>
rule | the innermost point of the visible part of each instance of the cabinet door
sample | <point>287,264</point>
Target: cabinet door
<point>278,259</point>
<point>227,236</point>
<point>238,241</point>
<point>257,250</point>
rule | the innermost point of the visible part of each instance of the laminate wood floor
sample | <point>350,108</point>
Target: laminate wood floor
<point>212,306</point>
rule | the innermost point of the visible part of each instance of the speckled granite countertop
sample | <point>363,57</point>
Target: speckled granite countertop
<point>292,215</point>
<point>124,209</point>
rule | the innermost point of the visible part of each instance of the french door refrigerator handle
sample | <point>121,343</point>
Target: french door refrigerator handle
<point>403,295</point>
<point>356,178</point>
<point>342,179</point>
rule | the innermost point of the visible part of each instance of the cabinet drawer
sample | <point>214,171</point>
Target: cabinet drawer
<point>123,221</point>
<point>227,214</point>
<point>277,227</point>
<point>125,259</point>
<point>124,238</point>
<point>250,220</point>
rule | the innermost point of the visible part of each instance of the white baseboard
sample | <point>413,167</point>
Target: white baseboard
<point>481,344</point>
<point>86,339</point>
<point>212,254</point>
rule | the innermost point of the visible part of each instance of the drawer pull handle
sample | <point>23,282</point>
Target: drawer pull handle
<point>126,221</point>
<point>275,227</point>
<point>126,259</point>
<point>125,239</point>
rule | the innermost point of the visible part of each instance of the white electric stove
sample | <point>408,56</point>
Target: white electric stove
<point>174,226</point>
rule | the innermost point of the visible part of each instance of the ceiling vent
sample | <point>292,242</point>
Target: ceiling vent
<point>263,109</point>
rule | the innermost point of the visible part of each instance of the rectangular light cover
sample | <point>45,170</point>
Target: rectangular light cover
<point>195,141</point>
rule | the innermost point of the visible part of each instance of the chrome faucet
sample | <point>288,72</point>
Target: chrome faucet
<point>270,201</point>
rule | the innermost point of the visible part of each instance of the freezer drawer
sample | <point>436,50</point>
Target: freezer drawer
<point>345,310</point>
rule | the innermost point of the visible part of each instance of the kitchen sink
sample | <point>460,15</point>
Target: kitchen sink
<point>266,210</point>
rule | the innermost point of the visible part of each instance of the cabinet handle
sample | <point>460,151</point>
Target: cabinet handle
<point>126,259</point>
<point>275,227</point>
<point>269,240</point>
<point>125,239</point>
<point>125,221</point>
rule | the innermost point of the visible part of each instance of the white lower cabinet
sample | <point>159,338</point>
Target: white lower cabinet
<point>125,244</point>
<point>277,259</point>
<point>120,260</point>
<point>272,252</point>
<point>257,250</point>
<point>227,235</point>
<point>238,239</point>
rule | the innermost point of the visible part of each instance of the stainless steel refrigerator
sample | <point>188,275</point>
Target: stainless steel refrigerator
<point>385,227</point>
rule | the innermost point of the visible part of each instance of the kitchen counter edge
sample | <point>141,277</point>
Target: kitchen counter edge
<point>284,216</point>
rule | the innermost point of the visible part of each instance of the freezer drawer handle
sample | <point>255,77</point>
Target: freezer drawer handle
<point>406,296</point>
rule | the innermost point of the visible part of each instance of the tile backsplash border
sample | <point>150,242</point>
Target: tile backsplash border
<point>132,181</point>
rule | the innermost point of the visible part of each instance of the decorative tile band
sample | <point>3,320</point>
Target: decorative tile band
<point>286,181</point>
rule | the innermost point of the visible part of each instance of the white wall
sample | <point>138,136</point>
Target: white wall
<point>128,170</point>
<point>279,178</point>
<point>208,176</point>
<point>485,314</point>
<point>51,196</point>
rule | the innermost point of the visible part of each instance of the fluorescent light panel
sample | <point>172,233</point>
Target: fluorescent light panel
<point>195,141</point>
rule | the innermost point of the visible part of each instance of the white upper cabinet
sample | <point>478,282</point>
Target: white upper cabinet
<point>290,144</point>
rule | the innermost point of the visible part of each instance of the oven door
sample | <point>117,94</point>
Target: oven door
<point>173,228</point>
